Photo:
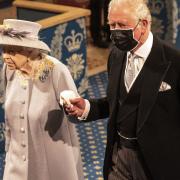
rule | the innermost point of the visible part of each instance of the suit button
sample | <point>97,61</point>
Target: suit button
<point>23,101</point>
<point>24,158</point>
<point>21,116</point>
<point>120,102</point>
<point>22,130</point>
<point>24,87</point>
<point>23,144</point>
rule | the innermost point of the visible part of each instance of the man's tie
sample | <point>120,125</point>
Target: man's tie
<point>130,71</point>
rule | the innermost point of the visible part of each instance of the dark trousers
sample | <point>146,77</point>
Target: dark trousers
<point>127,165</point>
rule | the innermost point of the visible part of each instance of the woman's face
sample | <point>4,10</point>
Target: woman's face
<point>15,57</point>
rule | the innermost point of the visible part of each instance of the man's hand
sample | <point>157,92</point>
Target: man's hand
<point>76,108</point>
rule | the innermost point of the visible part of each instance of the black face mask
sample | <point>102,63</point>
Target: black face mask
<point>123,39</point>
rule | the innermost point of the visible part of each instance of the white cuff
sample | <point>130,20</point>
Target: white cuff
<point>86,110</point>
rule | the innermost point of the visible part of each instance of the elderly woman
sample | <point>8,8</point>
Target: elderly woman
<point>40,143</point>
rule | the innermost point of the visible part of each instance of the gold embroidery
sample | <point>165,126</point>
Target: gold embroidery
<point>40,71</point>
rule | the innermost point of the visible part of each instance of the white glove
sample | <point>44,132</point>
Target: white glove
<point>65,97</point>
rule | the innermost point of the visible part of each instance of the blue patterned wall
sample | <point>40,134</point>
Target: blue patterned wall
<point>166,20</point>
<point>68,44</point>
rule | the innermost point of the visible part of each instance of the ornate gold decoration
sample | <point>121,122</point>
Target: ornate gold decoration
<point>40,71</point>
<point>73,42</point>
<point>75,64</point>
<point>82,25</point>
<point>57,41</point>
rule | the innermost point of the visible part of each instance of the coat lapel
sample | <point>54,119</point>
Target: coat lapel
<point>154,71</point>
<point>114,80</point>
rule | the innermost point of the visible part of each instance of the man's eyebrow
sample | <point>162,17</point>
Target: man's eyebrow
<point>113,22</point>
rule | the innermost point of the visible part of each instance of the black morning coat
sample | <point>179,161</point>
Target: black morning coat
<point>158,121</point>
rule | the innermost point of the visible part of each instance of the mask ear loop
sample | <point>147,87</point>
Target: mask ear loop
<point>133,35</point>
<point>136,25</point>
<point>135,29</point>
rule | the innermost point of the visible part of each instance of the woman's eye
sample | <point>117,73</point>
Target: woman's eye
<point>20,51</point>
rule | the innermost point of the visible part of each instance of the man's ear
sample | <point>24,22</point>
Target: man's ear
<point>144,25</point>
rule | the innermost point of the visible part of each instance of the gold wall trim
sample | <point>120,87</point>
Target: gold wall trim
<point>66,13</point>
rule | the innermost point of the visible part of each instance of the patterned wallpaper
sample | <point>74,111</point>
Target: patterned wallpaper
<point>166,20</point>
<point>68,44</point>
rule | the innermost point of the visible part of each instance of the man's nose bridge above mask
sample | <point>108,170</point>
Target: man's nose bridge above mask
<point>117,26</point>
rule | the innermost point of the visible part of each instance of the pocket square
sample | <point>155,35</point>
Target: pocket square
<point>164,86</point>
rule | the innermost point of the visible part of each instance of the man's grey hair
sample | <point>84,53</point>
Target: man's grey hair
<point>139,7</point>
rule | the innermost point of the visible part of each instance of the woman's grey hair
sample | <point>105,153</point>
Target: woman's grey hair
<point>34,49</point>
<point>138,6</point>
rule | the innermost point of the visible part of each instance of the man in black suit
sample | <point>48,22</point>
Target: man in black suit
<point>143,99</point>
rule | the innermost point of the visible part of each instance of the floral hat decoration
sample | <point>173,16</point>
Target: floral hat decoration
<point>16,32</point>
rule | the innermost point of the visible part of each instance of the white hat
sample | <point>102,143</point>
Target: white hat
<point>21,33</point>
